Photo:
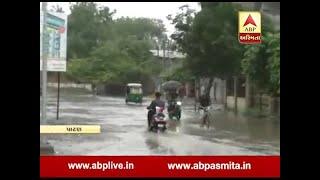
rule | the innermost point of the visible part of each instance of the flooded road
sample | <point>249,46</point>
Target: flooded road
<point>124,130</point>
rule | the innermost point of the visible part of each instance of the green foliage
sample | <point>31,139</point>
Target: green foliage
<point>182,21</point>
<point>262,63</point>
<point>274,63</point>
<point>209,40</point>
<point>83,29</point>
<point>142,28</point>
<point>123,60</point>
<point>179,73</point>
<point>102,50</point>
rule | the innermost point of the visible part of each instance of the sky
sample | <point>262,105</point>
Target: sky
<point>158,10</point>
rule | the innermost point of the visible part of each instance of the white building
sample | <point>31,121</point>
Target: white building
<point>167,54</point>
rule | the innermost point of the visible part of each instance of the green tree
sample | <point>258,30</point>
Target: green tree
<point>262,63</point>
<point>274,63</point>
<point>142,28</point>
<point>179,74</point>
<point>182,21</point>
<point>85,28</point>
<point>103,50</point>
<point>123,60</point>
<point>210,41</point>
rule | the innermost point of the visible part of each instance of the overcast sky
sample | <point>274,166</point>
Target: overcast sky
<point>157,10</point>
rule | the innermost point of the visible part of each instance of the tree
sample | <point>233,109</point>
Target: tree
<point>262,64</point>
<point>142,28</point>
<point>274,63</point>
<point>85,28</point>
<point>209,40</point>
<point>104,50</point>
<point>182,21</point>
<point>57,8</point>
<point>180,74</point>
<point>89,26</point>
<point>124,60</point>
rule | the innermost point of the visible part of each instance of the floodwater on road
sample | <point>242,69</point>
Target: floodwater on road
<point>124,130</point>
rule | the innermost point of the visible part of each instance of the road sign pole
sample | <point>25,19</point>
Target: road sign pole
<point>58,97</point>
<point>44,66</point>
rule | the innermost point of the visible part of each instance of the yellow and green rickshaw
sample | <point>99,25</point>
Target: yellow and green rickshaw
<point>134,93</point>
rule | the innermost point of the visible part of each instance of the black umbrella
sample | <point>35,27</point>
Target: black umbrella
<point>171,85</point>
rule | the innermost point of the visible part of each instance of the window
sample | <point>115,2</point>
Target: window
<point>135,90</point>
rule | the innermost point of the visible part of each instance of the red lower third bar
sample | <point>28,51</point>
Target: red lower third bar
<point>160,166</point>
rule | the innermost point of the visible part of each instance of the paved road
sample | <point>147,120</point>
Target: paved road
<point>124,130</point>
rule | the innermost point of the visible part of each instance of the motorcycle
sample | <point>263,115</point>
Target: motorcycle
<point>174,110</point>
<point>158,122</point>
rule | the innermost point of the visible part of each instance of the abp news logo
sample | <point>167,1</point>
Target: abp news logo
<point>249,27</point>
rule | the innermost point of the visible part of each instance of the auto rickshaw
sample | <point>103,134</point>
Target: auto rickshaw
<point>134,93</point>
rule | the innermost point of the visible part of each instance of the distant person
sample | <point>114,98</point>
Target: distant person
<point>172,101</point>
<point>94,89</point>
<point>152,107</point>
<point>182,92</point>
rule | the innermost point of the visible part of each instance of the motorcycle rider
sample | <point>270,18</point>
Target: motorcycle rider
<point>152,107</point>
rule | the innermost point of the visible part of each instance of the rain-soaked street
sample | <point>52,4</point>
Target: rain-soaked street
<point>124,130</point>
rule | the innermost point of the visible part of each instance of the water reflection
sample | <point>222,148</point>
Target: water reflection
<point>248,131</point>
<point>157,144</point>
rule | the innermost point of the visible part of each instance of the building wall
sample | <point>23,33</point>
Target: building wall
<point>220,89</point>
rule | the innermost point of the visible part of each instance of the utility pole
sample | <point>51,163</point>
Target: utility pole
<point>164,54</point>
<point>45,147</point>
<point>44,64</point>
<point>235,94</point>
<point>58,97</point>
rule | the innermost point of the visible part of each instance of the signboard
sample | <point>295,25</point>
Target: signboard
<point>55,42</point>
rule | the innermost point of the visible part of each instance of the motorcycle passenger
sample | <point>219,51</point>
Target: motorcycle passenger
<point>172,101</point>
<point>152,107</point>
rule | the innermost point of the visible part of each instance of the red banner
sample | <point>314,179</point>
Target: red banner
<point>160,166</point>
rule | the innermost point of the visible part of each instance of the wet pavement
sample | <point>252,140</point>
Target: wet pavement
<point>124,130</point>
